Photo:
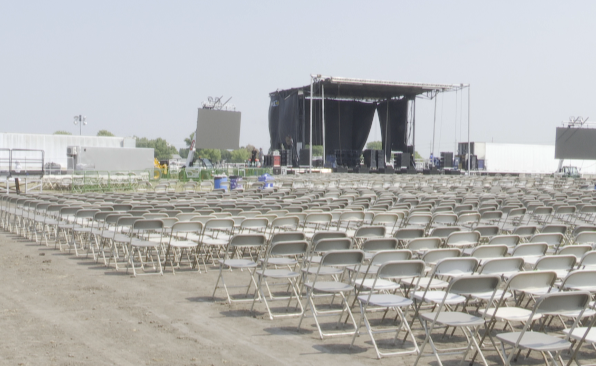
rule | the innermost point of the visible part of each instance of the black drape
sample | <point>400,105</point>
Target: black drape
<point>394,135</point>
<point>347,124</point>
<point>284,117</point>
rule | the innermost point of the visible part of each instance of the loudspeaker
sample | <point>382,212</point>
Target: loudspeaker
<point>447,160</point>
<point>304,155</point>
<point>370,158</point>
<point>380,159</point>
<point>406,160</point>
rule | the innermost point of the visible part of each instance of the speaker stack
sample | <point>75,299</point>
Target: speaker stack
<point>286,157</point>
<point>370,159</point>
<point>347,158</point>
<point>447,160</point>
<point>380,159</point>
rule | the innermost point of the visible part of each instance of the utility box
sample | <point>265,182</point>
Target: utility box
<point>109,158</point>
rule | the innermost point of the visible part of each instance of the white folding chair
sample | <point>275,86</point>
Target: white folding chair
<point>338,259</point>
<point>459,289</point>
<point>147,247</point>
<point>239,255</point>
<point>380,299</point>
<point>183,239</point>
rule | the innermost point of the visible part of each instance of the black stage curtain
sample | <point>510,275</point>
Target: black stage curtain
<point>284,118</point>
<point>347,124</point>
<point>393,136</point>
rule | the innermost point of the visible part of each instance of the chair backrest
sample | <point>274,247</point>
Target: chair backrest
<point>288,236</point>
<point>395,270</point>
<point>489,251</point>
<point>550,238</point>
<point>456,266</point>
<point>286,222</point>
<point>487,231</point>
<point>525,231</point>
<point>187,227</point>
<point>326,245</point>
<point>502,265</point>
<point>585,237</point>
<point>445,218</point>
<point>219,224</point>
<point>524,281</point>
<point>444,232</point>
<point>390,256</point>
<point>580,280</point>
<point>370,232</point>
<point>247,241</point>
<point>423,244</point>
<point>588,260</point>
<point>576,250</point>
<point>328,235</point>
<point>555,263</point>
<point>377,244</point>
<point>408,233</point>
<point>509,240</point>
<point>470,285</point>
<point>562,302</point>
<point>342,258</point>
<point>463,238</point>
<point>289,248</point>
<point>145,225</point>
<point>551,228</point>
<point>530,250</point>
<point>156,215</point>
<point>435,255</point>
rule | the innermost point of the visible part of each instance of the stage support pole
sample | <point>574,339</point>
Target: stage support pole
<point>432,152</point>
<point>310,140</point>
<point>414,133</point>
<point>469,144</point>
<point>323,111</point>
<point>386,130</point>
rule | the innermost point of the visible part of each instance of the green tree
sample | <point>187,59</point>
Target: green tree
<point>226,155</point>
<point>317,150</point>
<point>212,154</point>
<point>375,145</point>
<point>417,156</point>
<point>62,133</point>
<point>239,156</point>
<point>162,150</point>
<point>104,133</point>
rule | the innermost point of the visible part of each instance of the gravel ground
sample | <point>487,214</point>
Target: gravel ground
<point>59,309</point>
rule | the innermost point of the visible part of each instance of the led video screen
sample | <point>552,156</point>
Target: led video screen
<point>218,129</point>
<point>575,143</point>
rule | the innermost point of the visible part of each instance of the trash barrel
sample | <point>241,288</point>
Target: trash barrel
<point>218,180</point>
<point>235,182</point>
<point>267,179</point>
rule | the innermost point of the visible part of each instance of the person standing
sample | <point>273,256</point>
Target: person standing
<point>261,156</point>
<point>253,159</point>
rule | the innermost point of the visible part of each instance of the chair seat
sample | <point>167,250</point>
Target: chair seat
<point>282,261</point>
<point>82,229</point>
<point>239,263</point>
<point>578,333</point>
<point>278,273</point>
<point>425,282</point>
<point>437,297</point>
<point>535,341</point>
<point>330,286</point>
<point>455,319</point>
<point>385,300</point>
<point>144,243</point>
<point>121,238</point>
<point>511,314</point>
<point>215,242</point>
<point>380,285</point>
<point>183,244</point>
<point>324,271</point>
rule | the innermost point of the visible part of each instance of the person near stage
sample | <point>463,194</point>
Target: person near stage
<point>261,156</point>
<point>253,159</point>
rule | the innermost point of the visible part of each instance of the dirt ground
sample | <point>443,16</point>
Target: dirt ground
<point>59,309</point>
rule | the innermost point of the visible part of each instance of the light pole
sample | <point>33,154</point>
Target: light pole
<point>80,120</point>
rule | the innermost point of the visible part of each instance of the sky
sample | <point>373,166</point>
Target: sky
<point>144,67</point>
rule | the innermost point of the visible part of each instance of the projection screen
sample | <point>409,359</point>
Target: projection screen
<point>218,129</point>
<point>575,143</point>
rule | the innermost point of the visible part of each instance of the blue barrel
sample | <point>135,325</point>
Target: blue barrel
<point>267,179</point>
<point>217,180</point>
<point>235,182</point>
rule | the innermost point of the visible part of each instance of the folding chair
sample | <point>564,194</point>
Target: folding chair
<point>560,264</point>
<point>463,239</point>
<point>487,252</point>
<point>240,245</point>
<point>505,267</point>
<point>576,250</point>
<point>459,289</point>
<point>468,220</point>
<point>374,245</point>
<point>183,239</point>
<point>487,232</point>
<point>404,235</point>
<point>530,252</point>
<point>338,259</point>
<point>368,232</point>
<point>419,246</point>
<point>546,344</point>
<point>554,240</point>
<point>148,250</point>
<point>525,232</point>
<point>378,299</point>
<point>286,251</point>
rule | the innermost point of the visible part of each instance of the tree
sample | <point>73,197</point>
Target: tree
<point>104,133</point>
<point>162,150</point>
<point>417,156</point>
<point>375,145</point>
<point>239,156</point>
<point>317,150</point>
<point>62,133</point>
<point>212,154</point>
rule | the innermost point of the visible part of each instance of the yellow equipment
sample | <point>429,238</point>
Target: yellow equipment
<point>160,169</point>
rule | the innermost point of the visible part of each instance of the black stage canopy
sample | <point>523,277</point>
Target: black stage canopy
<point>342,113</point>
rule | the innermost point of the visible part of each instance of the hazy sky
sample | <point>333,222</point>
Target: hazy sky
<point>144,67</point>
